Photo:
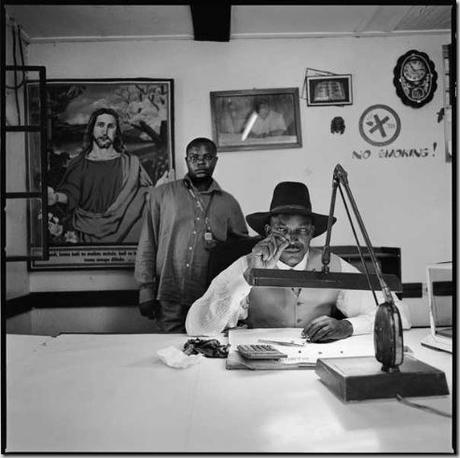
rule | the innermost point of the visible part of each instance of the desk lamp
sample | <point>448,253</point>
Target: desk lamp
<point>391,372</point>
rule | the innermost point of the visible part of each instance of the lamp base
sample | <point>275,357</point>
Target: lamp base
<point>361,378</point>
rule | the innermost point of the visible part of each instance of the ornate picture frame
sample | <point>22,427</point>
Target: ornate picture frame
<point>146,119</point>
<point>257,119</point>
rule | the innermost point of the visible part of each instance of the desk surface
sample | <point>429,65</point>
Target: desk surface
<point>88,393</point>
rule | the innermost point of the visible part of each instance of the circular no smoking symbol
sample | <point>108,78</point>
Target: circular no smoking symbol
<point>379,125</point>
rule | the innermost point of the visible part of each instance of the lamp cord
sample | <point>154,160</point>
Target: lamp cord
<point>415,405</point>
<point>357,244</point>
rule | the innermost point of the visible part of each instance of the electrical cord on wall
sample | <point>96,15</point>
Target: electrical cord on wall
<point>422,407</point>
<point>21,51</point>
<point>16,31</point>
<point>16,86</point>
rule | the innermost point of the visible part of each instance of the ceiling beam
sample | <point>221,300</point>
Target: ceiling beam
<point>211,21</point>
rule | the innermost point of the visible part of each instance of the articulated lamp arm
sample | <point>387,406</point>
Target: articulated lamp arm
<point>388,339</point>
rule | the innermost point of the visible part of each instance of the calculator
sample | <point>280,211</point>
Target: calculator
<point>260,352</point>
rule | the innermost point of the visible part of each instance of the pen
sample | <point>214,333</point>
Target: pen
<point>280,342</point>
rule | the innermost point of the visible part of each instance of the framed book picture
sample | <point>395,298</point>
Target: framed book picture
<point>329,90</point>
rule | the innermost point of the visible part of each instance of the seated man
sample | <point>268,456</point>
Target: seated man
<point>288,227</point>
<point>268,122</point>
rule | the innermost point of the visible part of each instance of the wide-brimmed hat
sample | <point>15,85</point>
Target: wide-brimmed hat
<point>289,197</point>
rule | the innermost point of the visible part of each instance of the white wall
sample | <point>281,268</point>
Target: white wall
<point>405,202</point>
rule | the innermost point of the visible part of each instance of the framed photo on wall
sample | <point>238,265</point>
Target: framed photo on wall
<point>329,90</point>
<point>256,119</point>
<point>95,205</point>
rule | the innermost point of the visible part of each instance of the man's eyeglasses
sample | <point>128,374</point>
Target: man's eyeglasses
<point>285,231</point>
<point>194,158</point>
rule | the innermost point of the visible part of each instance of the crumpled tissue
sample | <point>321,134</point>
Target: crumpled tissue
<point>173,357</point>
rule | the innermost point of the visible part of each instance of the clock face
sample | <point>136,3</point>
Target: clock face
<point>415,78</point>
<point>414,69</point>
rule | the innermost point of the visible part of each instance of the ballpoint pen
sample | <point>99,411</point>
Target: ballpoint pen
<point>281,342</point>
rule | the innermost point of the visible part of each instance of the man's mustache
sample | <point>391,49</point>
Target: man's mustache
<point>103,139</point>
<point>294,246</point>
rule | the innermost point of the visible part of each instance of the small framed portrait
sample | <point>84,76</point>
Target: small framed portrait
<point>329,90</point>
<point>256,119</point>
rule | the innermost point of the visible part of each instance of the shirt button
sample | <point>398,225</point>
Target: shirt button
<point>187,265</point>
<point>198,219</point>
<point>299,303</point>
<point>298,320</point>
<point>189,247</point>
<point>194,232</point>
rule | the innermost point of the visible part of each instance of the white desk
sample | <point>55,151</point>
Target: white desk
<point>110,393</point>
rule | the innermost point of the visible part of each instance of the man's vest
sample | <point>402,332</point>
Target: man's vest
<point>275,307</point>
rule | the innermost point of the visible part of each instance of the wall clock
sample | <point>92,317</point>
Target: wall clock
<point>415,78</point>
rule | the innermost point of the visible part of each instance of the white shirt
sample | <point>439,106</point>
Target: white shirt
<point>302,265</point>
<point>226,302</point>
<point>272,122</point>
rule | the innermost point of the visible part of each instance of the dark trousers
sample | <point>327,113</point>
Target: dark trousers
<point>170,317</point>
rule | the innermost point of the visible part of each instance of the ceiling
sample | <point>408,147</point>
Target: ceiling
<point>102,22</point>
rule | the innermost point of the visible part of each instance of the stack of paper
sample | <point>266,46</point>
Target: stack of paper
<point>301,355</point>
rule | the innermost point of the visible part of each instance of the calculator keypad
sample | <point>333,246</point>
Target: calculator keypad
<point>260,352</point>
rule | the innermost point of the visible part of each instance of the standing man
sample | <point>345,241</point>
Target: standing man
<point>183,221</point>
<point>104,187</point>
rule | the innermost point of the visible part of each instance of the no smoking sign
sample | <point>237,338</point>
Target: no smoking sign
<point>379,125</point>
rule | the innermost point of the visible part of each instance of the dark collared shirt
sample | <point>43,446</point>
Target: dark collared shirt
<point>172,257</point>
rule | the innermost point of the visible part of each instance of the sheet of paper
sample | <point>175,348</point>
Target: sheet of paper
<point>306,354</point>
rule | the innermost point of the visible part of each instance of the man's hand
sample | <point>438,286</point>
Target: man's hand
<point>325,328</point>
<point>266,253</point>
<point>149,308</point>
<point>52,197</point>
<point>56,197</point>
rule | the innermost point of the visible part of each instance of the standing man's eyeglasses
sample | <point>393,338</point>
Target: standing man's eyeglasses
<point>194,158</point>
